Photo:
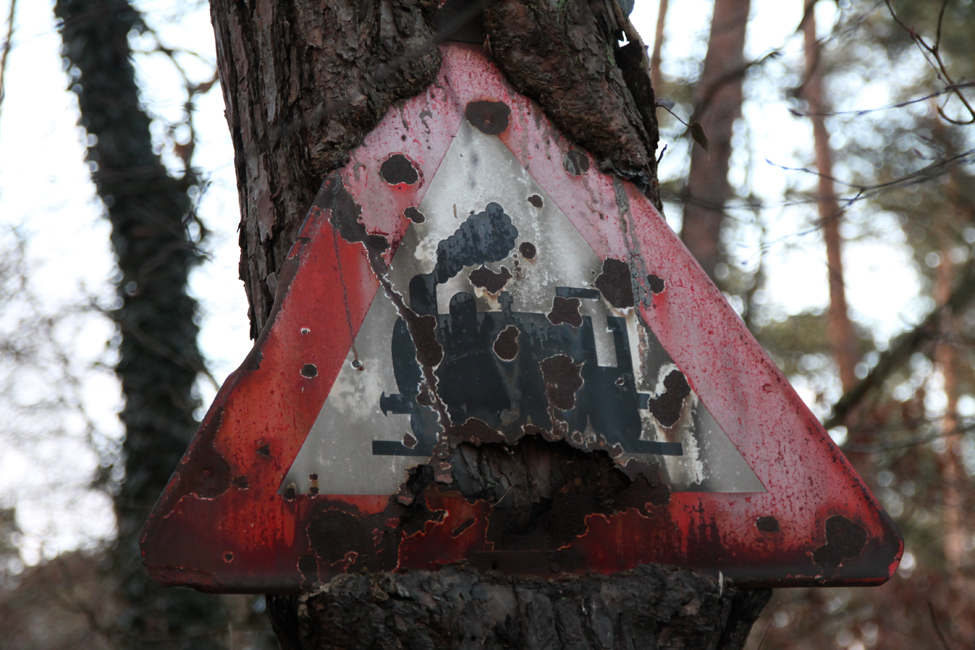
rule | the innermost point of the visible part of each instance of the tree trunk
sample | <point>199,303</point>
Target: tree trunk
<point>842,338</point>
<point>304,82</point>
<point>656,77</point>
<point>158,357</point>
<point>717,104</point>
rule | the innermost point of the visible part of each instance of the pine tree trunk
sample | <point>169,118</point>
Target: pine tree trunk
<point>304,82</point>
<point>656,76</point>
<point>842,338</point>
<point>717,104</point>
<point>158,356</point>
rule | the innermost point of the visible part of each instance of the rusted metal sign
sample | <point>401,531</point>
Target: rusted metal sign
<point>484,349</point>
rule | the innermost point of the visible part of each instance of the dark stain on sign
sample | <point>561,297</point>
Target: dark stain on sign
<point>844,540</point>
<point>668,406</point>
<point>562,379</point>
<point>643,494</point>
<point>429,352</point>
<point>414,215</point>
<point>655,283</point>
<point>488,117</point>
<point>334,534</point>
<point>767,524</point>
<point>346,215</point>
<point>206,473</point>
<point>476,432</point>
<point>536,201</point>
<point>528,250</point>
<point>459,530</point>
<point>506,345</point>
<point>615,284</point>
<point>488,280</point>
<point>575,162</point>
<point>565,310</point>
<point>399,169</point>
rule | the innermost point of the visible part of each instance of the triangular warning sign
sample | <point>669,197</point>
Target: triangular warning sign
<point>484,349</point>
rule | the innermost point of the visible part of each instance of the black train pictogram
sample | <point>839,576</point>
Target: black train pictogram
<point>510,369</point>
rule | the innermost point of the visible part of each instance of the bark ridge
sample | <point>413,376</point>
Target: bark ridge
<point>457,607</point>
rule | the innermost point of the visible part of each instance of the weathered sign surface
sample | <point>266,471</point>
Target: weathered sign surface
<point>484,349</point>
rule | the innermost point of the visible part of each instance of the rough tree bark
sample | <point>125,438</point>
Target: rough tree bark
<point>304,82</point>
<point>158,356</point>
<point>717,104</point>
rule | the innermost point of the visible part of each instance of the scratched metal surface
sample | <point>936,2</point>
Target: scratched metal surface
<point>469,281</point>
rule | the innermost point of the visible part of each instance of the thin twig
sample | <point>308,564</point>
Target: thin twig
<point>937,628</point>
<point>7,45</point>
<point>764,632</point>
<point>864,111</point>
<point>938,64</point>
<point>904,347</point>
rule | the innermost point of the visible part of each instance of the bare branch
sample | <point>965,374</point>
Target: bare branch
<point>904,347</point>
<point>7,44</point>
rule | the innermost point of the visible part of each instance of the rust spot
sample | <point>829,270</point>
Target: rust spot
<point>643,492</point>
<point>476,432</point>
<point>844,539</point>
<point>346,214</point>
<point>409,441</point>
<point>264,450</point>
<point>308,568</point>
<point>414,215</point>
<point>668,406</point>
<point>313,488</point>
<point>429,352</point>
<point>334,534</point>
<point>562,379</point>
<point>656,283</point>
<point>240,482</point>
<point>456,532</point>
<point>488,117</point>
<point>767,524</point>
<point>488,280</point>
<point>565,310</point>
<point>309,371</point>
<point>399,169</point>
<point>615,283</point>
<point>536,201</point>
<point>228,557</point>
<point>206,473</point>
<point>528,250</point>
<point>506,345</point>
<point>576,162</point>
<point>290,492</point>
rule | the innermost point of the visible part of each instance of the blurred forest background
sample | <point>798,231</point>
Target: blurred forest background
<point>825,182</point>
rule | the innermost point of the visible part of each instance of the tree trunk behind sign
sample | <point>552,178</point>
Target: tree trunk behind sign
<point>717,104</point>
<point>158,356</point>
<point>303,83</point>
